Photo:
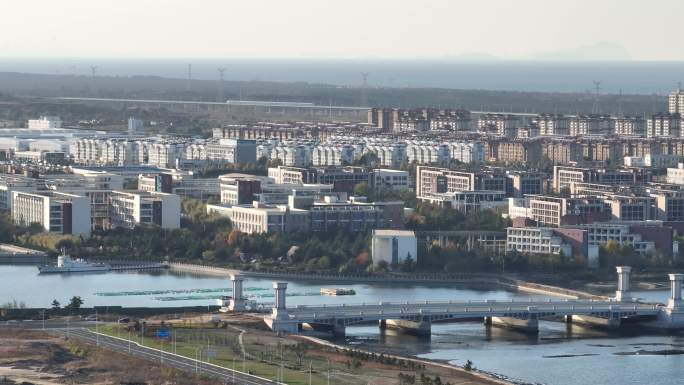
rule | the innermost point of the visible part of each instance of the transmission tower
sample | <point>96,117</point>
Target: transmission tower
<point>364,86</point>
<point>597,90</point>
<point>188,86</point>
<point>620,113</point>
<point>222,97</point>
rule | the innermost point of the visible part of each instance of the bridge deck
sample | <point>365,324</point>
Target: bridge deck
<point>455,310</point>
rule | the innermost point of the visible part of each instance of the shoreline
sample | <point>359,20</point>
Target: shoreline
<point>492,378</point>
<point>501,281</point>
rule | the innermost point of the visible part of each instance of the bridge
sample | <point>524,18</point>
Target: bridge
<point>417,317</point>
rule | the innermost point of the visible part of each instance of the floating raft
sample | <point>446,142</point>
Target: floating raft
<point>336,291</point>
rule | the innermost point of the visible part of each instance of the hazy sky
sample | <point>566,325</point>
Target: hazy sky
<point>648,30</point>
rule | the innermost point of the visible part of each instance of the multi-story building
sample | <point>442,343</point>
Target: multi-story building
<point>241,151</point>
<point>343,179</point>
<point>663,125</point>
<point>240,189</point>
<point>162,154</point>
<point>526,183</point>
<point>466,152</point>
<point>630,208</point>
<point>292,155</point>
<point>452,120</point>
<point>427,153</point>
<point>561,151</point>
<point>433,180</point>
<point>552,124</point>
<point>332,155</point>
<point>259,218</point>
<point>589,125</point>
<point>389,155</point>
<point>676,175</point>
<point>629,125</point>
<point>382,178</point>
<point>183,184</point>
<point>133,208</point>
<point>676,102</point>
<point>496,124</point>
<point>54,211</point>
<point>669,205</point>
<point>564,176</point>
<point>10,183</point>
<point>536,240</point>
<point>45,123</point>
<point>600,233</point>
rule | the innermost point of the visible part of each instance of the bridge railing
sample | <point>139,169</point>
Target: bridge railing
<point>563,309</point>
<point>530,301</point>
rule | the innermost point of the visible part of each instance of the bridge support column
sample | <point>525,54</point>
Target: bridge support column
<point>339,329</point>
<point>237,303</point>
<point>612,322</point>
<point>526,324</point>
<point>279,321</point>
<point>622,293</point>
<point>382,324</point>
<point>419,327</point>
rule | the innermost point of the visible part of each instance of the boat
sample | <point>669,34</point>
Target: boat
<point>65,264</point>
<point>336,291</point>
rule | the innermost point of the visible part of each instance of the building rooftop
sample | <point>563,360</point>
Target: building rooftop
<point>394,233</point>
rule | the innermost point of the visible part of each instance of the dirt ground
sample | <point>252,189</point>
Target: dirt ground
<point>35,357</point>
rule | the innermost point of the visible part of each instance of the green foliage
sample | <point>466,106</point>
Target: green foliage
<point>430,217</point>
<point>75,302</point>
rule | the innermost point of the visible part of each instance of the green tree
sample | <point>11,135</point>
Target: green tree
<point>75,302</point>
<point>55,304</point>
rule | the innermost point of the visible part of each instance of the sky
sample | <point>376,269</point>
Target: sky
<point>508,29</point>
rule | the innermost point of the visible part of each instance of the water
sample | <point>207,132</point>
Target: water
<point>164,288</point>
<point>630,77</point>
<point>559,355</point>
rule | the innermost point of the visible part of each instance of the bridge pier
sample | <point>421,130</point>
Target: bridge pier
<point>421,327</point>
<point>612,322</point>
<point>237,303</point>
<point>527,324</point>
<point>622,293</point>
<point>279,321</point>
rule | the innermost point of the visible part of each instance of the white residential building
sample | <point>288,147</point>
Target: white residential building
<point>332,155</point>
<point>292,155</point>
<point>427,153</point>
<point>389,155</point>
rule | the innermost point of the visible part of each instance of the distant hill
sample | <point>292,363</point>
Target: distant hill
<point>596,52</point>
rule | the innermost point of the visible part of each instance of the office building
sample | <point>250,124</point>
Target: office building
<point>55,212</point>
<point>134,208</point>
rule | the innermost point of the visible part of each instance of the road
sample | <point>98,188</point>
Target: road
<point>78,331</point>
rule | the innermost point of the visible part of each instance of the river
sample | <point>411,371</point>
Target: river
<point>560,355</point>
